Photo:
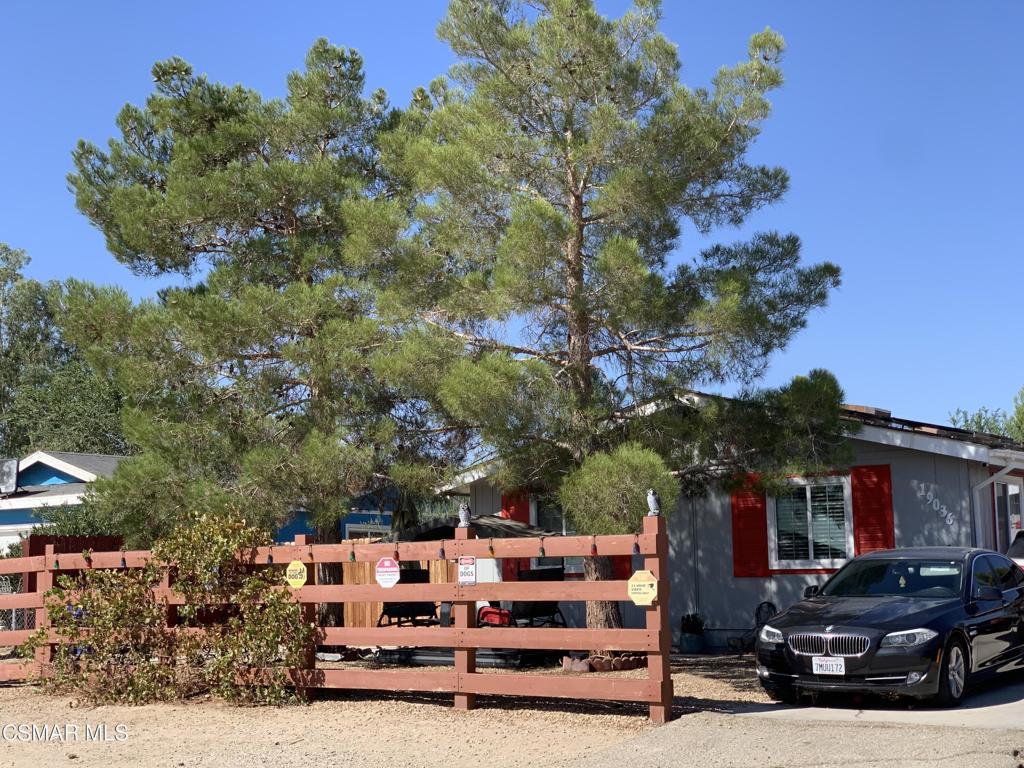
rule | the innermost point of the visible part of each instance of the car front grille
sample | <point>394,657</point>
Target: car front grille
<point>818,644</point>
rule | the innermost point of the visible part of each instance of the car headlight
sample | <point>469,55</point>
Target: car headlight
<point>770,634</point>
<point>908,638</point>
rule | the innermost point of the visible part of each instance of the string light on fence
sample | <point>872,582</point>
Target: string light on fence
<point>490,547</point>
<point>124,562</point>
<point>352,553</point>
<point>56,564</point>
<point>440,552</point>
<point>541,547</point>
<point>636,544</point>
<point>593,546</point>
<point>270,558</point>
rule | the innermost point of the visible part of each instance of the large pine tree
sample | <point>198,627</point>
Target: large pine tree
<point>556,170</point>
<point>275,379</point>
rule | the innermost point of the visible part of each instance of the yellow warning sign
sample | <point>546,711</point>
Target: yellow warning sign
<point>643,588</point>
<point>295,574</point>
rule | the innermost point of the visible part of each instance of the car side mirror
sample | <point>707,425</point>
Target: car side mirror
<point>811,591</point>
<point>988,594</point>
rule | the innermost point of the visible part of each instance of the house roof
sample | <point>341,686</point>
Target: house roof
<point>83,466</point>
<point>486,527</point>
<point>876,425</point>
<point>33,496</point>
<point>883,418</point>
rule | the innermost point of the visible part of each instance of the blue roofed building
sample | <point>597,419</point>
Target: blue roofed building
<point>48,479</point>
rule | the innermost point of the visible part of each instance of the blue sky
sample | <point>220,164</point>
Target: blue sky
<point>899,123</point>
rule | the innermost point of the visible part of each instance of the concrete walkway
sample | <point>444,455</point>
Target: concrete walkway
<point>997,704</point>
<point>985,731</point>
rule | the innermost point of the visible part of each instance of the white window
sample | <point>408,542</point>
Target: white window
<point>366,531</point>
<point>810,524</point>
<point>549,516</point>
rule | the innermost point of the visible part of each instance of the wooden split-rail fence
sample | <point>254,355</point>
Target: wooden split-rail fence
<point>463,636</point>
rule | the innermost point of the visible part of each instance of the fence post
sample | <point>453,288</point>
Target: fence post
<point>464,617</point>
<point>309,616</point>
<point>44,581</point>
<point>658,668</point>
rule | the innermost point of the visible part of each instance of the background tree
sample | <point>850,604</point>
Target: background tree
<point>274,381</point>
<point>995,421</point>
<point>555,171</point>
<point>50,398</point>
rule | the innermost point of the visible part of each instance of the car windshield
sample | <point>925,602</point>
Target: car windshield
<point>906,578</point>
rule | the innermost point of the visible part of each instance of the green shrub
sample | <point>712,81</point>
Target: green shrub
<point>116,645</point>
<point>608,493</point>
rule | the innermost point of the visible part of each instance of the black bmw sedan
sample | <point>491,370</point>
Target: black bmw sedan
<point>913,622</point>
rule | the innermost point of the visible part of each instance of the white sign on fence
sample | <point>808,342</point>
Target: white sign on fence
<point>387,573</point>
<point>467,571</point>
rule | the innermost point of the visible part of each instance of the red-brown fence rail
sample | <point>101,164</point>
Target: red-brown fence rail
<point>463,636</point>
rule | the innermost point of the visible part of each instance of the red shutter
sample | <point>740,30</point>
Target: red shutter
<point>515,505</point>
<point>749,534</point>
<point>871,488</point>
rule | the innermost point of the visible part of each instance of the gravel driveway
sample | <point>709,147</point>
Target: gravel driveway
<point>356,729</point>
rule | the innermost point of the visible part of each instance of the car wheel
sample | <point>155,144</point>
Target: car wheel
<point>786,694</point>
<point>953,675</point>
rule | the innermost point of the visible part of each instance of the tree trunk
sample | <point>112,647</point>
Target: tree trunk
<point>601,614</point>
<point>329,614</point>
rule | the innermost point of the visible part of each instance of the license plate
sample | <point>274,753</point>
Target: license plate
<point>828,665</point>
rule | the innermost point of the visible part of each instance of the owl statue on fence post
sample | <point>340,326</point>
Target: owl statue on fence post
<point>653,503</point>
<point>464,515</point>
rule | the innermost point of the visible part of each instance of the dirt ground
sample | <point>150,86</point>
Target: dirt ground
<point>363,729</point>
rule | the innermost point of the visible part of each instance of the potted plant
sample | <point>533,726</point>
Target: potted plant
<point>691,633</point>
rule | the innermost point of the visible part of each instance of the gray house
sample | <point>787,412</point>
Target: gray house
<point>910,484</point>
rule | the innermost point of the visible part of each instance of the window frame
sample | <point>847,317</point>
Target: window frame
<point>370,528</point>
<point>774,562</point>
<point>576,567</point>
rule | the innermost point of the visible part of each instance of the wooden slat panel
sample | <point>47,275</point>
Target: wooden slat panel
<point>15,637</point>
<point>557,546</point>
<point>76,562</point>
<point>400,593</point>
<point>13,672</point>
<point>560,639</point>
<point>21,564</point>
<point>548,590</point>
<point>378,679</point>
<point>561,686</point>
<point>554,546</point>
<point>493,637</point>
<point>423,637</point>
<point>21,600</point>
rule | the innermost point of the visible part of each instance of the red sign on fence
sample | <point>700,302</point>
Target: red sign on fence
<point>387,572</point>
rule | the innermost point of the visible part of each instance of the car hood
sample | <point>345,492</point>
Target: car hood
<point>878,612</point>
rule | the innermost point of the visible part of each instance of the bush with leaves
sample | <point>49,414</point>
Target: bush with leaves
<point>121,642</point>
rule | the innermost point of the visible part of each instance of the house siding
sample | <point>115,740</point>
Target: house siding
<point>701,539</point>
<point>701,561</point>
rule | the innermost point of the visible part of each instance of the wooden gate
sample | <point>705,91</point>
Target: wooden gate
<point>463,636</point>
